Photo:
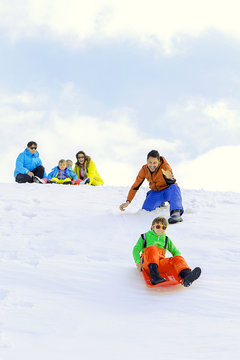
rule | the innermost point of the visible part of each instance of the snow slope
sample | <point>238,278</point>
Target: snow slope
<point>69,288</point>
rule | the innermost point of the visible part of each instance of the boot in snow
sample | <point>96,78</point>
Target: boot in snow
<point>190,276</point>
<point>37,180</point>
<point>85,182</point>
<point>175,217</point>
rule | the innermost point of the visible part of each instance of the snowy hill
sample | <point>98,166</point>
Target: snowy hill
<point>69,288</point>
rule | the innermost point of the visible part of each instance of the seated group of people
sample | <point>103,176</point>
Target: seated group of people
<point>29,168</point>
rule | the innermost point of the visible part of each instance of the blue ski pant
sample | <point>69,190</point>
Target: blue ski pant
<point>172,194</point>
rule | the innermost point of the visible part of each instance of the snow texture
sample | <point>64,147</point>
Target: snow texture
<point>69,287</point>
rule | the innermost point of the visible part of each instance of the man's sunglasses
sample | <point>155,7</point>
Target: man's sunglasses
<point>160,227</point>
<point>33,147</point>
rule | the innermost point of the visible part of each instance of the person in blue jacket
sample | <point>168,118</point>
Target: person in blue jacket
<point>29,166</point>
<point>62,174</point>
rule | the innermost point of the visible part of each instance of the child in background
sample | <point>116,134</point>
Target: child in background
<point>149,255</point>
<point>78,181</point>
<point>69,163</point>
<point>62,174</point>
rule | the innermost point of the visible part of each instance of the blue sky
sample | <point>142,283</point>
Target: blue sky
<point>119,83</point>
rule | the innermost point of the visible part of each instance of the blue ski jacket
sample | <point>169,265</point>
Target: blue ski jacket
<point>70,173</point>
<point>27,162</point>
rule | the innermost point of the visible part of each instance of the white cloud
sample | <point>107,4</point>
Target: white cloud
<point>216,170</point>
<point>202,124</point>
<point>223,113</point>
<point>226,115</point>
<point>149,22</point>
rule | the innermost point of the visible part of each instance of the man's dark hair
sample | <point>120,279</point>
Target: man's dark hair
<point>31,143</point>
<point>154,154</point>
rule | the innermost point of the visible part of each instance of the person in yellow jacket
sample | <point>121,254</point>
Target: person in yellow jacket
<point>86,169</point>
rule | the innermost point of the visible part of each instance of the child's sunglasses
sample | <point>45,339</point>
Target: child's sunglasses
<point>160,227</point>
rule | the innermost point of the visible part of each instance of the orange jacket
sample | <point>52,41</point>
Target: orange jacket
<point>156,179</point>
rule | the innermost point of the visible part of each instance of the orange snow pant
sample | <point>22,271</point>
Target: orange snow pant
<point>173,265</point>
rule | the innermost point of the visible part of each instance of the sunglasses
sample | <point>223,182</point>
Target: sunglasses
<point>33,147</point>
<point>160,227</point>
<point>81,157</point>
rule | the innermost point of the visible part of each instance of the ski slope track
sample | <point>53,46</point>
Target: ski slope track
<point>69,288</point>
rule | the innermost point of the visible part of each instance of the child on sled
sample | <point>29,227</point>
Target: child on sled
<point>149,255</point>
<point>62,174</point>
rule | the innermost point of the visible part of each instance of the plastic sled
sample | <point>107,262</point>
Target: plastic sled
<point>171,279</point>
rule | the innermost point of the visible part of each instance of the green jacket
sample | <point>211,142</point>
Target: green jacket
<point>153,239</point>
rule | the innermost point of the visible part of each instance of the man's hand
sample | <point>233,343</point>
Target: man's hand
<point>31,174</point>
<point>168,174</point>
<point>139,267</point>
<point>124,205</point>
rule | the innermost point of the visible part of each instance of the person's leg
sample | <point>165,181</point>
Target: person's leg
<point>154,199</point>
<point>178,263</point>
<point>39,171</point>
<point>178,266</point>
<point>174,197</point>
<point>173,265</point>
<point>150,261</point>
<point>150,255</point>
<point>173,194</point>
<point>23,178</point>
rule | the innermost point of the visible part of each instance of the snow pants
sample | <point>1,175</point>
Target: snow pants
<point>171,194</point>
<point>173,265</point>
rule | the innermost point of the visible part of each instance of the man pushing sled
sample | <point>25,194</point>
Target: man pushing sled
<point>162,184</point>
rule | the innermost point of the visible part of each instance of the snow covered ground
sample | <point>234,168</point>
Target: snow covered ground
<point>69,288</point>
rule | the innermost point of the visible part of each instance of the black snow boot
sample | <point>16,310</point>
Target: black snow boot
<point>155,277</point>
<point>175,217</point>
<point>190,276</point>
<point>85,182</point>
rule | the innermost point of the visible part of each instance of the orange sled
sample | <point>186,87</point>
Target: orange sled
<point>170,280</point>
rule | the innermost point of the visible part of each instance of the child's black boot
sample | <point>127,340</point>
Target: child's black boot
<point>190,276</point>
<point>154,274</point>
